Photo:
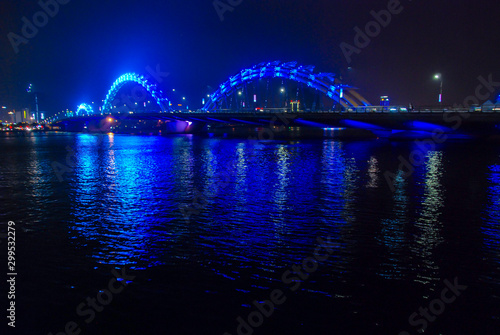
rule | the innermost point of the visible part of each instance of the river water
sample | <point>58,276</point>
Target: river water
<point>216,236</point>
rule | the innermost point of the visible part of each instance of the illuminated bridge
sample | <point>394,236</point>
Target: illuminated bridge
<point>271,94</point>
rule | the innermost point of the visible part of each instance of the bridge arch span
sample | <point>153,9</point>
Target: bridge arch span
<point>84,110</point>
<point>151,88</point>
<point>327,83</point>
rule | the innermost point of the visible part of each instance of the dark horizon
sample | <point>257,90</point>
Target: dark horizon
<point>76,56</point>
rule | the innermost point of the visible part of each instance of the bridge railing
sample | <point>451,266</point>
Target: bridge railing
<point>358,110</point>
<point>404,109</point>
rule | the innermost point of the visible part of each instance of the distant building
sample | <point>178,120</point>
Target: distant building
<point>19,117</point>
<point>384,101</point>
<point>6,116</point>
<point>489,106</point>
<point>23,116</point>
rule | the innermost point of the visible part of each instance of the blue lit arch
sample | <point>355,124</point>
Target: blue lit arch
<point>326,83</point>
<point>152,89</point>
<point>84,109</point>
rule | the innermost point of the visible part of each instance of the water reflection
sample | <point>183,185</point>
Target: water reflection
<point>338,188</point>
<point>373,173</point>
<point>428,226</point>
<point>491,227</point>
<point>38,181</point>
<point>115,197</point>
<point>121,206</point>
<point>281,188</point>
<point>258,198</point>
<point>392,234</point>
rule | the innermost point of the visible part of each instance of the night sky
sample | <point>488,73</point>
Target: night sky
<point>79,53</point>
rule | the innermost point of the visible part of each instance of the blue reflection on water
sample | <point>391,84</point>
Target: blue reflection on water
<point>428,225</point>
<point>121,203</point>
<point>118,193</point>
<point>491,228</point>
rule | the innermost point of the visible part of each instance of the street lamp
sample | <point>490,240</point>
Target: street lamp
<point>439,77</point>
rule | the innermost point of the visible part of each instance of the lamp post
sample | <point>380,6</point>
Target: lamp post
<point>439,77</point>
<point>283,97</point>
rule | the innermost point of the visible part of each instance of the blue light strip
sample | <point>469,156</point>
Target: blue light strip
<point>323,82</point>
<point>84,108</point>
<point>152,89</point>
